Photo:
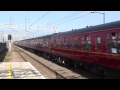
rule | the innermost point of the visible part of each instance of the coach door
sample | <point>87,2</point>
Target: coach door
<point>98,45</point>
<point>86,42</point>
<point>112,42</point>
<point>118,48</point>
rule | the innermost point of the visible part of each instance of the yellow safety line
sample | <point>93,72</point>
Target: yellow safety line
<point>9,71</point>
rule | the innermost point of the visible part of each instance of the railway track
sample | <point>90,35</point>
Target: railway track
<point>28,58</point>
<point>51,70</point>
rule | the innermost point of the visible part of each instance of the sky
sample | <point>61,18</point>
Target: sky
<point>61,20</point>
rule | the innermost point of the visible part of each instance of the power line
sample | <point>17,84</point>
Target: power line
<point>68,16</point>
<point>63,18</point>
<point>73,19</point>
<point>40,18</point>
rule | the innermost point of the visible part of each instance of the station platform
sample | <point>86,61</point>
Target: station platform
<point>19,70</point>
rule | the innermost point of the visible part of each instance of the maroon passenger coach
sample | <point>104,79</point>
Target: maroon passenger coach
<point>94,48</point>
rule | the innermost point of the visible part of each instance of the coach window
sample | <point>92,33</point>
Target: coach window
<point>54,42</point>
<point>36,43</point>
<point>63,41</point>
<point>108,36</point>
<point>108,42</point>
<point>98,40</point>
<point>33,42</point>
<point>83,42</point>
<point>119,42</point>
<point>114,35</point>
<point>66,43</point>
<point>47,42</point>
<point>30,42</point>
<point>86,42</point>
<point>119,35</point>
<point>58,43</point>
<point>112,43</point>
<point>74,43</point>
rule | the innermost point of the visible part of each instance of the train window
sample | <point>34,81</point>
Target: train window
<point>58,42</point>
<point>75,38</point>
<point>98,42</point>
<point>62,40</point>
<point>86,43</point>
<point>89,43</point>
<point>119,35</point>
<point>89,38</point>
<point>118,42</point>
<point>36,43</point>
<point>32,42</point>
<point>74,43</point>
<point>82,37</point>
<point>108,36</point>
<point>54,42</point>
<point>83,43</point>
<point>47,44</point>
<point>112,44</point>
<point>113,35</point>
<point>66,43</point>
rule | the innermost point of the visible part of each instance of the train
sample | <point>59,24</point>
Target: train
<point>93,48</point>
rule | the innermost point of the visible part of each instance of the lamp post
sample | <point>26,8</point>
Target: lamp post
<point>100,13</point>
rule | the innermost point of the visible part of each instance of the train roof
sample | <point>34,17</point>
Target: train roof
<point>47,36</point>
<point>110,25</point>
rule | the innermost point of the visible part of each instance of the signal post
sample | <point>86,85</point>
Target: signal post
<point>9,38</point>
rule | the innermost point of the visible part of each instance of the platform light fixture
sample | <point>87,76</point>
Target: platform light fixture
<point>100,13</point>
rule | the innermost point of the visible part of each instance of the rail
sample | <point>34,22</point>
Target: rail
<point>58,76</point>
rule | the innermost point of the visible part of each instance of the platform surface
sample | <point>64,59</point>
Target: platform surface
<point>19,70</point>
